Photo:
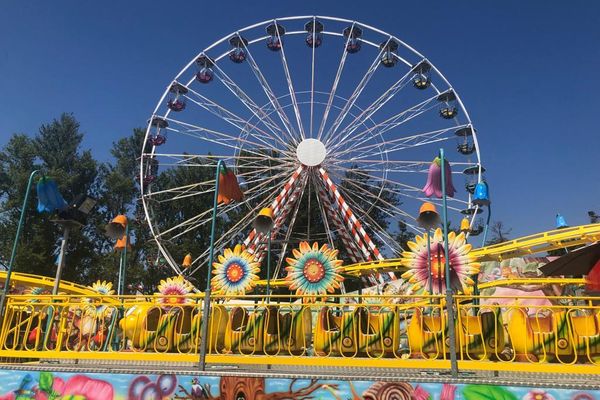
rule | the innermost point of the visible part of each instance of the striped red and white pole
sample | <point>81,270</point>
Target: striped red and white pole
<point>350,245</point>
<point>349,217</point>
<point>276,204</point>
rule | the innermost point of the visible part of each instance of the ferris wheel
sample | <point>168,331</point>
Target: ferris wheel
<point>311,113</point>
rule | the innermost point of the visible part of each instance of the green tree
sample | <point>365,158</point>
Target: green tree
<point>56,149</point>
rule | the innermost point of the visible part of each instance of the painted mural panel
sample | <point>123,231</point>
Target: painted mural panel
<point>44,385</point>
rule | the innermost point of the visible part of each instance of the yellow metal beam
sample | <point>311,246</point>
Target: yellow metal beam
<point>236,359</point>
<point>66,287</point>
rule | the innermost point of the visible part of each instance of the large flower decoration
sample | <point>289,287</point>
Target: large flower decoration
<point>173,291</point>
<point>462,264</point>
<point>236,272</point>
<point>103,288</point>
<point>313,270</point>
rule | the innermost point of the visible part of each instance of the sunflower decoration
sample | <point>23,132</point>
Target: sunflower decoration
<point>172,291</point>
<point>102,288</point>
<point>35,291</point>
<point>236,272</point>
<point>314,271</point>
<point>462,264</point>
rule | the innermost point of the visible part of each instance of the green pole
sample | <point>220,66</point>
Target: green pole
<point>430,280</point>
<point>269,268</point>
<point>15,244</point>
<point>211,251</point>
<point>123,264</point>
<point>449,299</point>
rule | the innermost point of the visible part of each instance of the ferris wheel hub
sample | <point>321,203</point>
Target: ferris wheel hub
<point>311,152</point>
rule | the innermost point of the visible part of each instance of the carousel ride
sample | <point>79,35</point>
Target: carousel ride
<point>315,137</point>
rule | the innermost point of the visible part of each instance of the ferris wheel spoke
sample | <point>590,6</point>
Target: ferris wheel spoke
<point>392,122</point>
<point>366,220</point>
<point>273,99</point>
<point>369,111</point>
<point>312,82</point>
<point>242,225</point>
<point>210,160</point>
<point>403,189</point>
<point>290,84</point>
<point>186,191</point>
<point>222,211</point>
<point>212,136</point>
<point>401,143</point>
<point>352,99</point>
<point>233,119</point>
<point>373,196</point>
<point>203,217</point>
<point>334,86</point>
<point>290,228</point>
<point>252,106</point>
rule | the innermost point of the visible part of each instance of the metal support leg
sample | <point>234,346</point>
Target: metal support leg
<point>61,258</point>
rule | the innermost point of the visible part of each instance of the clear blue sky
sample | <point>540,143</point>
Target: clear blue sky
<point>527,72</point>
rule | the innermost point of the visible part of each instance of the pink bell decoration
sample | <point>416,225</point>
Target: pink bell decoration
<point>433,187</point>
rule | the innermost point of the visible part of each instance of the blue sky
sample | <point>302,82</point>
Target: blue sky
<point>527,72</point>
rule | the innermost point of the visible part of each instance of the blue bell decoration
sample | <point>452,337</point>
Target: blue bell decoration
<point>481,196</point>
<point>560,222</point>
<point>49,198</point>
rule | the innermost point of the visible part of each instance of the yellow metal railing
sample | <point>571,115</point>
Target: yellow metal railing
<point>530,333</point>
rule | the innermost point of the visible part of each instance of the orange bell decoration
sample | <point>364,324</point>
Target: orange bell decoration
<point>264,221</point>
<point>117,229</point>
<point>465,225</point>
<point>428,216</point>
<point>187,261</point>
<point>229,188</point>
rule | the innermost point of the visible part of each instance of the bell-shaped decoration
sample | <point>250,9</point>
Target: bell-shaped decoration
<point>229,188</point>
<point>433,187</point>
<point>428,216</point>
<point>187,261</point>
<point>49,198</point>
<point>465,225</point>
<point>481,196</point>
<point>264,221</point>
<point>121,243</point>
<point>560,222</point>
<point>117,227</point>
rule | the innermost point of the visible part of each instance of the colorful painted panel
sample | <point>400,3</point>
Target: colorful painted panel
<point>44,385</point>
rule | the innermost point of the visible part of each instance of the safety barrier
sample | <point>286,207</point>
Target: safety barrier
<point>391,331</point>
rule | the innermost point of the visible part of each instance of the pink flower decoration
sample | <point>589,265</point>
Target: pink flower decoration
<point>538,394</point>
<point>448,392</point>
<point>8,396</point>
<point>81,385</point>
<point>420,394</point>
<point>433,187</point>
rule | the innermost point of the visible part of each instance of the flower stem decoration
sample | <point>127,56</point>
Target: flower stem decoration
<point>314,271</point>
<point>462,264</point>
<point>172,291</point>
<point>433,187</point>
<point>236,272</point>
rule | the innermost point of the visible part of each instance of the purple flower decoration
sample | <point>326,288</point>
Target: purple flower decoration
<point>433,187</point>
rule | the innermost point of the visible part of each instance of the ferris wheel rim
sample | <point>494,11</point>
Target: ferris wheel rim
<point>469,123</point>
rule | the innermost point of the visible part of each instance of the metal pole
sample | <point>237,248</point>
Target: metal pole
<point>206,307</point>
<point>61,258</point>
<point>14,248</point>
<point>429,262</point>
<point>123,264</point>
<point>449,298</point>
<point>269,268</point>
<point>476,276</point>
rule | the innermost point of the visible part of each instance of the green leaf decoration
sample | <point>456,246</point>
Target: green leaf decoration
<point>73,397</point>
<point>485,392</point>
<point>46,381</point>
